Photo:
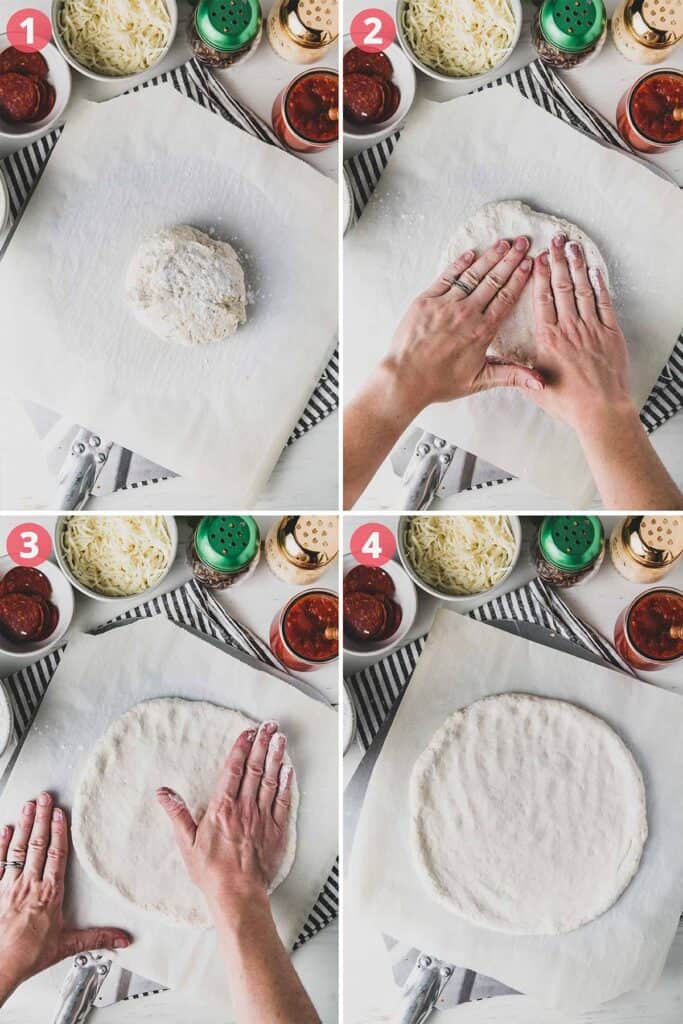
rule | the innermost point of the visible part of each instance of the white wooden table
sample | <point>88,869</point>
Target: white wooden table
<point>368,985</point>
<point>254,603</point>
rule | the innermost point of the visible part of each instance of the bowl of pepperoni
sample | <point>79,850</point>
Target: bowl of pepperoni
<point>34,89</point>
<point>379,607</point>
<point>379,89</point>
<point>36,607</point>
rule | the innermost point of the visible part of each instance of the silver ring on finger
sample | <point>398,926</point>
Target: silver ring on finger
<point>18,864</point>
<point>466,288</point>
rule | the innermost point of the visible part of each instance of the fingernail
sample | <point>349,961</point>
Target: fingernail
<point>559,241</point>
<point>521,244</point>
<point>121,943</point>
<point>29,807</point>
<point>250,735</point>
<point>574,250</point>
<point>533,384</point>
<point>57,814</point>
<point>502,245</point>
<point>544,257</point>
<point>44,799</point>
<point>526,264</point>
<point>468,256</point>
<point>269,727</point>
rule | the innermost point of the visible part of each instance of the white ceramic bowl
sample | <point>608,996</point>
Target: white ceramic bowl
<point>62,598</point>
<point>405,596</point>
<point>404,79</point>
<point>456,599</point>
<point>59,76</point>
<point>4,205</point>
<point>6,720</point>
<point>471,80</point>
<point>172,7</point>
<point>75,582</point>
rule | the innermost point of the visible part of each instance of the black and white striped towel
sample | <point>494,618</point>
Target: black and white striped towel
<point>186,606</point>
<point>375,689</point>
<point>22,171</point>
<point>540,84</point>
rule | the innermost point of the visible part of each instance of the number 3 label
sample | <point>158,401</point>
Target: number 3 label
<point>373,544</point>
<point>29,30</point>
<point>29,544</point>
<point>373,30</point>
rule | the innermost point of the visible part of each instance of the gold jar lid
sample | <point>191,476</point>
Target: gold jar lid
<point>310,23</point>
<point>656,23</point>
<point>654,541</point>
<point>308,542</point>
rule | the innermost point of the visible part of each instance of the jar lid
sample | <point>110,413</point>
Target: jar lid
<point>308,542</point>
<point>573,25</point>
<point>227,543</point>
<point>654,540</point>
<point>571,543</point>
<point>664,19</point>
<point>311,23</point>
<point>227,24</point>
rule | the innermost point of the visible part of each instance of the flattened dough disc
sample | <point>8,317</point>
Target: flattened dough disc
<point>507,219</point>
<point>122,837</point>
<point>528,815</point>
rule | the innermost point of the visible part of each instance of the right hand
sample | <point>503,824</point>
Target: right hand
<point>582,351</point>
<point>235,850</point>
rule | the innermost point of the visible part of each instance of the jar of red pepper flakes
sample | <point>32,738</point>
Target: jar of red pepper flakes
<point>306,112</point>
<point>650,114</point>
<point>649,633</point>
<point>225,550</point>
<point>304,635</point>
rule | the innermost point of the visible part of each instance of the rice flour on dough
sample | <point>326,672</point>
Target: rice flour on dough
<point>187,287</point>
<point>515,341</point>
<point>122,836</point>
<point>528,815</point>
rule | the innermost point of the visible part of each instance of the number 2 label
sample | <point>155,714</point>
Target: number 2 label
<point>373,30</point>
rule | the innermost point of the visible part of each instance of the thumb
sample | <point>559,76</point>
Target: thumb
<point>80,941</point>
<point>511,375</point>
<point>181,819</point>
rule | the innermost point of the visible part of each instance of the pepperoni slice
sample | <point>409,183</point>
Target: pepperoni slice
<point>33,64</point>
<point>393,98</point>
<point>365,615</point>
<point>47,102</point>
<point>19,96</point>
<point>51,620</point>
<point>24,580</point>
<point>22,616</point>
<point>368,64</point>
<point>363,98</point>
<point>394,616</point>
<point>370,580</point>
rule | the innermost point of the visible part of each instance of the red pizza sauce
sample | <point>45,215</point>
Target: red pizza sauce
<point>657,107</point>
<point>653,620</point>
<point>311,626</point>
<point>312,107</point>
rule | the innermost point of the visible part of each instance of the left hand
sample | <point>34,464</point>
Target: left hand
<point>32,932</point>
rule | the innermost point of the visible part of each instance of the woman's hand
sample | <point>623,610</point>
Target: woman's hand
<point>582,352</point>
<point>438,352</point>
<point>32,932</point>
<point>236,849</point>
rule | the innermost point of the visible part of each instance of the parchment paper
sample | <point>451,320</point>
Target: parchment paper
<point>219,414</point>
<point>626,947</point>
<point>98,679</point>
<point>454,157</point>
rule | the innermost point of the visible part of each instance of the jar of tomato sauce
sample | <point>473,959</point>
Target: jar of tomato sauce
<point>306,112</point>
<point>650,114</point>
<point>305,634</point>
<point>649,633</point>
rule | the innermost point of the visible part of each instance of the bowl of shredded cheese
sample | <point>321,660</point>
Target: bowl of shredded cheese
<point>114,40</point>
<point>112,557</point>
<point>458,39</point>
<point>459,557</point>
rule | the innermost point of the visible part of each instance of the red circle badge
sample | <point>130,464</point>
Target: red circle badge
<point>29,30</point>
<point>373,544</point>
<point>373,30</point>
<point>29,544</point>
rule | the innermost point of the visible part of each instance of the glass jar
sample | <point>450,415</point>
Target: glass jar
<point>299,549</point>
<point>567,35</point>
<point>303,31</point>
<point>645,548</point>
<point>306,112</point>
<point>569,549</point>
<point>225,32</point>
<point>304,635</point>
<point>647,31</point>
<point>225,550</point>
<point>649,633</point>
<point>650,113</point>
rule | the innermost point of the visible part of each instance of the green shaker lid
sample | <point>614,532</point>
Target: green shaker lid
<point>227,24</point>
<point>573,25</point>
<point>227,543</point>
<point>571,543</point>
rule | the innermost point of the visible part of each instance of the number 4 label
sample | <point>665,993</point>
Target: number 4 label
<point>373,544</point>
<point>373,30</point>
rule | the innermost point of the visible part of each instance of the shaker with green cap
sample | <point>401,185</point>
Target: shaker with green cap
<point>567,33</point>
<point>224,32</point>
<point>225,550</point>
<point>570,549</point>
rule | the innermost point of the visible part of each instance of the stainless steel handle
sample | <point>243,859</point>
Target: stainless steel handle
<point>424,473</point>
<point>425,984</point>
<point>82,466</point>
<point>81,988</point>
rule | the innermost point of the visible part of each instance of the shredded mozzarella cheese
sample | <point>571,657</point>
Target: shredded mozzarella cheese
<point>459,37</point>
<point>460,554</point>
<point>117,556</point>
<point>115,37</point>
